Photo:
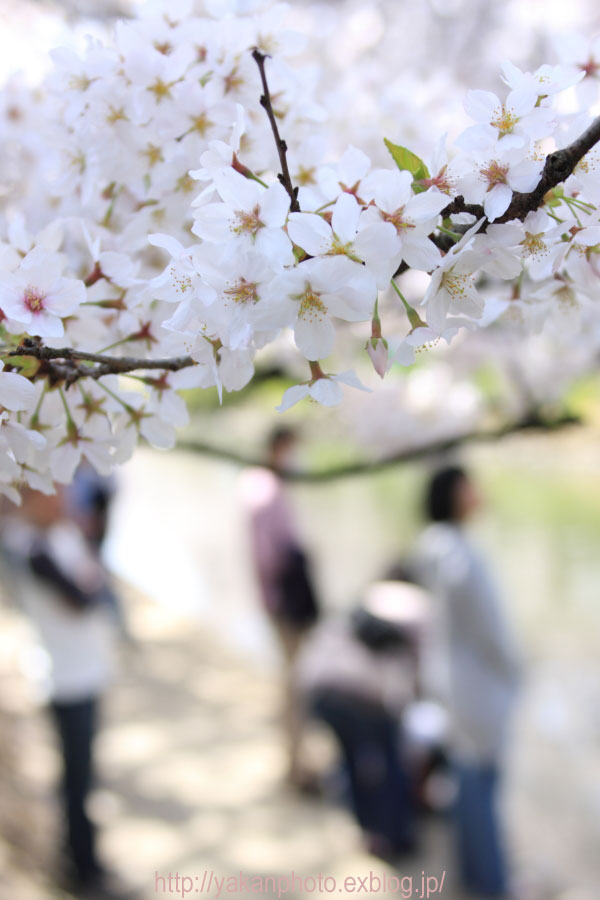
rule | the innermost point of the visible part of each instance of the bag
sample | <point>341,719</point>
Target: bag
<point>298,604</point>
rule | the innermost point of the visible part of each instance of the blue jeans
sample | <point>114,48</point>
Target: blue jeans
<point>381,790</point>
<point>76,724</point>
<point>481,854</point>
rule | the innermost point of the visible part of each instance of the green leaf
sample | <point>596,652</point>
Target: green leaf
<point>407,161</point>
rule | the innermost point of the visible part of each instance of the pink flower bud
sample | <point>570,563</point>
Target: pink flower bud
<point>378,351</point>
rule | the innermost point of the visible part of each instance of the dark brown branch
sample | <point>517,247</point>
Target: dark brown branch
<point>557,168</point>
<point>70,366</point>
<point>458,205</point>
<point>265,101</point>
<point>534,421</point>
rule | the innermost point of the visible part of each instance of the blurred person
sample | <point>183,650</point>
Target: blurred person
<point>476,667</point>
<point>282,570</point>
<point>89,498</point>
<point>63,589</point>
<point>357,673</point>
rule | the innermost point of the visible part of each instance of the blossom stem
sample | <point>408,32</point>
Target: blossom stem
<point>413,316</point>
<point>126,406</point>
<point>118,343</point>
<point>376,322</point>
<point>573,209</point>
<point>315,370</point>
<point>254,177</point>
<point>70,422</point>
<point>108,215</point>
<point>246,172</point>
<point>451,234</point>
<point>36,413</point>
<point>325,206</point>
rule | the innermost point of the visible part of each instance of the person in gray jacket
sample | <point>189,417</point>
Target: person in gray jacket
<point>476,668</point>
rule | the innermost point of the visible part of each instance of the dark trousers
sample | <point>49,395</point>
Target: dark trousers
<point>381,789</point>
<point>480,848</point>
<point>76,726</point>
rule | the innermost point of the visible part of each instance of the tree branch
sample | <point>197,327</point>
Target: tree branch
<point>557,168</point>
<point>531,422</point>
<point>70,367</point>
<point>265,101</point>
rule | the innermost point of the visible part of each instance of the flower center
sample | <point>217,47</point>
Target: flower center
<point>78,161</point>
<point>248,222</point>
<point>305,175</point>
<point>588,163</point>
<point>201,124</point>
<point>311,305</point>
<point>397,220</point>
<point>534,245</point>
<point>34,299</point>
<point>494,174</point>
<point>504,120</point>
<point>566,298</point>
<point>79,82</point>
<point>181,283</point>
<point>339,249</point>
<point>184,183</point>
<point>243,291</point>
<point>441,181</point>
<point>116,115</point>
<point>153,154</point>
<point>590,68</point>
<point>160,89</point>
<point>233,81</point>
<point>457,285</point>
<point>581,249</point>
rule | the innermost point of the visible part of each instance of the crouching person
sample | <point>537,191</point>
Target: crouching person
<point>356,674</point>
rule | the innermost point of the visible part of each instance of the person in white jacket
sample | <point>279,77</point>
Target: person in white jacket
<point>64,591</point>
<point>476,669</point>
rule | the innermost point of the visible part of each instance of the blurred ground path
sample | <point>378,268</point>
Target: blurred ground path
<point>192,762</point>
<point>192,776</point>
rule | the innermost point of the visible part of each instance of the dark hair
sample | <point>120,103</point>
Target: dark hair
<point>283,434</point>
<point>440,498</point>
<point>377,634</point>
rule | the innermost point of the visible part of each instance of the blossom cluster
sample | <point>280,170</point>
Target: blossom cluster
<point>146,215</point>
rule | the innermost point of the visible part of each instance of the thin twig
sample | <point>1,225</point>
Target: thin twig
<point>265,101</point>
<point>70,367</point>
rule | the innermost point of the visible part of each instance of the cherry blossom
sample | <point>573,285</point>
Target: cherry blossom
<point>375,244</point>
<point>312,295</point>
<point>249,214</point>
<point>204,188</point>
<point>514,122</point>
<point>326,390</point>
<point>453,288</point>
<point>491,180</point>
<point>413,216</point>
<point>37,296</point>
